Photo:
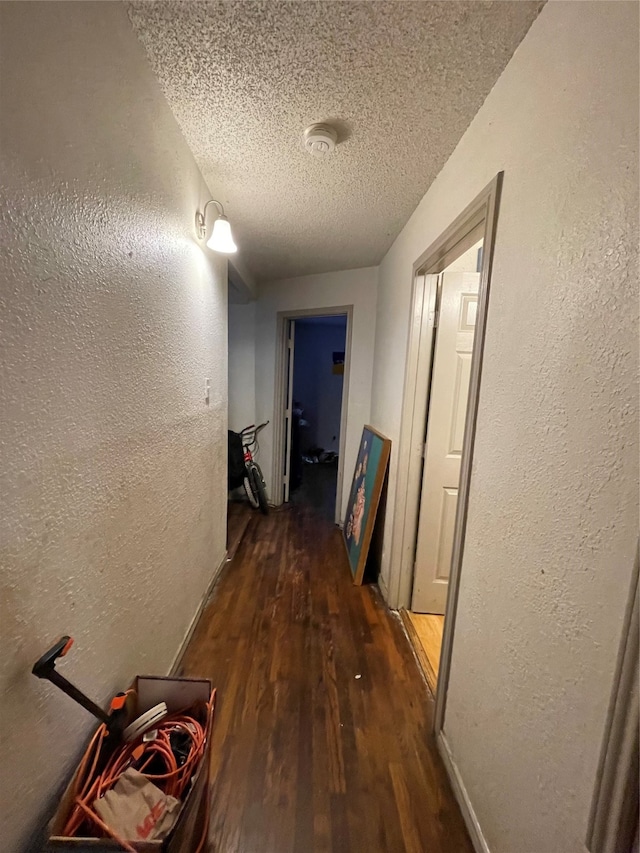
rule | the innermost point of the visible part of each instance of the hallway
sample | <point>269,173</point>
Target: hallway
<point>306,755</point>
<point>180,181</point>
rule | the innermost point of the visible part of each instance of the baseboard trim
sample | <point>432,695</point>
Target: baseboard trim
<point>384,589</point>
<point>460,792</point>
<point>419,653</point>
<point>175,666</point>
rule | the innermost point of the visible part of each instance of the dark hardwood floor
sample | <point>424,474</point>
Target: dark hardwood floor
<point>318,489</point>
<point>321,740</point>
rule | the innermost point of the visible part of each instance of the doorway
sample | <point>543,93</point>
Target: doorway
<point>457,288</point>
<point>318,379</point>
<point>448,318</point>
<point>312,378</point>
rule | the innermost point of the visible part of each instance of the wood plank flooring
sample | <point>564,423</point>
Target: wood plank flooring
<point>425,634</point>
<point>321,740</point>
<point>318,489</point>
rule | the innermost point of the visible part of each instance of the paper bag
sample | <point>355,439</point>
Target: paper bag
<point>136,809</point>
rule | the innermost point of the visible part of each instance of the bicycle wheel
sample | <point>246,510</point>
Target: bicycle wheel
<point>260,489</point>
<point>250,489</point>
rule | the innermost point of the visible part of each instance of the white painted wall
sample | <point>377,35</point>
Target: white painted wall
<point>554,493</point>
<point>242,365</point>
<point>315,385</point>
<point>113,469</point>
<point>348,287</point>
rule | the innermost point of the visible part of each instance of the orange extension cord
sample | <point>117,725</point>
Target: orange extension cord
<point>90,785</point>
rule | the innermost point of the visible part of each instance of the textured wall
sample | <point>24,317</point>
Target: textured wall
<point>113,470</point>
<point>242,365</point>
<point>352,287</point>
<point>554,495</point>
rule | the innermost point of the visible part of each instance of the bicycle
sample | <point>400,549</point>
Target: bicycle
<point>253,481</point>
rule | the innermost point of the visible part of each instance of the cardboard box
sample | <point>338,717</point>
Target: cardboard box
<point>178,693</point>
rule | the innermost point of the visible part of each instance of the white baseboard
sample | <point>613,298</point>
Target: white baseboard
<point>470,818</point>
<point>384,589</point>
<point>192,625</point>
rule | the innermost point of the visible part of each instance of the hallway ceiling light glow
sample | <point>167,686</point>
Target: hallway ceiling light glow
<point>221,239</point>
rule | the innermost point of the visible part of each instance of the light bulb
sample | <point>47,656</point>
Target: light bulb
<point>221,239</point>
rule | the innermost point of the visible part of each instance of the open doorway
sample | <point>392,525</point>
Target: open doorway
<point>318,381</point>
<point>442,389</point>
<point>312,377</point>
<point>457,288</point>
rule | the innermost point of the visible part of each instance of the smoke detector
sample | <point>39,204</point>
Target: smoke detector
<point>320,139</point>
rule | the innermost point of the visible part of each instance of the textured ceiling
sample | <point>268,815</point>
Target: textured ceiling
<point>400,80</point>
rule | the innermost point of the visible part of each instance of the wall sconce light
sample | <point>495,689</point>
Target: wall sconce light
<point>221,239</point>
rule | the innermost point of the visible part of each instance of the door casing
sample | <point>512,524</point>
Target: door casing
<point>479,219</point>
<point>279,402</point>
<point>290,332</point>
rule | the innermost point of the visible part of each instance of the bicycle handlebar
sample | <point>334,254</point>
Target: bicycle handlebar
<point>253,429</point>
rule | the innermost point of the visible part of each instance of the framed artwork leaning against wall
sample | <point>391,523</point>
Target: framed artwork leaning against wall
<point>366,488</point>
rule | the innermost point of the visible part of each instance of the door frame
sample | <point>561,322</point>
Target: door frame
<point>289,370</point>
<point>450,244</point>
<point>614,809</point>
<point>282,319</point>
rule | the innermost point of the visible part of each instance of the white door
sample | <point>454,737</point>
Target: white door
<point>291,336</point>
<point>458,302</point>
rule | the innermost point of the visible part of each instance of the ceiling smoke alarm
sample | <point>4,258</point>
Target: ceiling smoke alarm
<point>320,139</point>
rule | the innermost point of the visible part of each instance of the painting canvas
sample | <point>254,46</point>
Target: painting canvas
<point>366,488</point>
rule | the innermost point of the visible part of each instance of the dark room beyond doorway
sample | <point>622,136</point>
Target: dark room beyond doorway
<point>318,378</point>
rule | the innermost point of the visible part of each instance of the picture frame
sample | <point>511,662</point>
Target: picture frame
<point>364,498</point>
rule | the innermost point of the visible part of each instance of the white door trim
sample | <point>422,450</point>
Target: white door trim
<point>480,214</point>
<point>280,390</point>
<point>290,332</point>
<point>614,810</point>
<point>412,435</point>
